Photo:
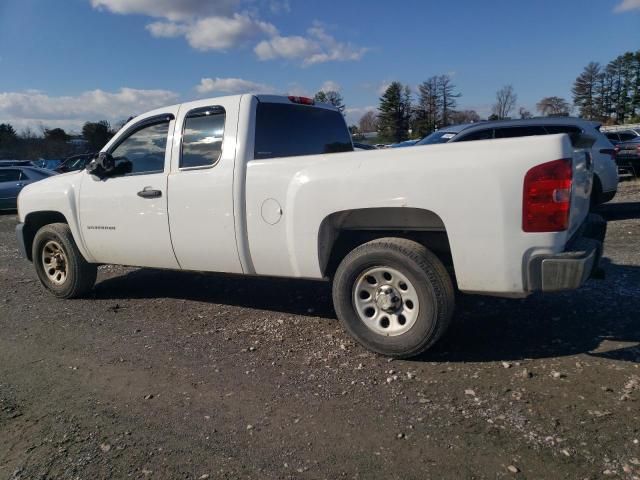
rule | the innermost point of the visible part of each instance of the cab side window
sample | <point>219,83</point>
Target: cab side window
<point>202,137</point>
<point>486,134</point>
<point>144,148</point>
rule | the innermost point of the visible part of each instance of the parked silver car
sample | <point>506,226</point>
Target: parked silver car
<point>620,136</point>
<point>605,169</point>
<point>14,179</point>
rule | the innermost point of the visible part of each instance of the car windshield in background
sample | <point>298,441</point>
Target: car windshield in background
<point>437,137</point>
<point>284,130</point>
<point>40,173</point>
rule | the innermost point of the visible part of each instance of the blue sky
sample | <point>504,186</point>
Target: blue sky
<point>64,62</point>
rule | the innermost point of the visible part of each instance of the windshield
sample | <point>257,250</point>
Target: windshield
<point>437,137</point>
<point>32,172</point>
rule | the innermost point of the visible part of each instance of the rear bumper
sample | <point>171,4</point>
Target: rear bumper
<point>570,269</point>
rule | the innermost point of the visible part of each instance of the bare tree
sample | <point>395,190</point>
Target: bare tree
<point>331,97</point>
<point>506,99</point>
<point>553,107</point>
<point>448,98</point>
<point>368,122</point>
<point>524,113</point>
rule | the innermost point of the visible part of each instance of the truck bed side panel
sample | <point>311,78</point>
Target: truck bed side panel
<point>474,187</point>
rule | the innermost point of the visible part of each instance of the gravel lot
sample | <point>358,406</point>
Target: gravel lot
<point>184,375</point>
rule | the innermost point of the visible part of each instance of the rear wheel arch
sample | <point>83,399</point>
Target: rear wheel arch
<point>343,231</point>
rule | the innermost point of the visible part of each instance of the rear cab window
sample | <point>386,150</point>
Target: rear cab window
<point>291,130</point>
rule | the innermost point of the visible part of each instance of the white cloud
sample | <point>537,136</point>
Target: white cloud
<point>170,9</point>
<point>317,47</point>
<point>214,33</point>
<point>627,5</point>
<point>279,6</point>
<point>232,86</point>
<point>330,86</point>
<point>298,90</point>
<point>35,108</point>
<point>220,25</point>
<point>285,47</point>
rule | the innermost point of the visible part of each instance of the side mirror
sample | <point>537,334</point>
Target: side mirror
<point>102,165</point>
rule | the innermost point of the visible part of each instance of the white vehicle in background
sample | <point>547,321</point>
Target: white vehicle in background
<point>268,185</point>
<point>605,180</point>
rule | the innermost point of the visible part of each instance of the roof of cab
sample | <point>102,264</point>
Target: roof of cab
<point>287,99</point>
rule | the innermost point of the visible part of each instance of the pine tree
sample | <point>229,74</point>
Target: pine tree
<point>395,113</point>
<point>585,91</point>
<point>427,110</point>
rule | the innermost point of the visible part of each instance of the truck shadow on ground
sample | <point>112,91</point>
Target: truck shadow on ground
<point>601,319</point>
<point>620,210</point>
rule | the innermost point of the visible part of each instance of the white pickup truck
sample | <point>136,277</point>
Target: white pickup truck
<point>269,185</point>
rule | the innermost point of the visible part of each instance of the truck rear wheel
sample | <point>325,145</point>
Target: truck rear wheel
<point>393,296</point>
<point>59,264</point>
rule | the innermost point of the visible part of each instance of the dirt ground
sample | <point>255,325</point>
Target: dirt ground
<point>184,375</point>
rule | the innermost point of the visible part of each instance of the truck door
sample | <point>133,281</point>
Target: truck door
<point>123,218</point>
<point>201,212</point>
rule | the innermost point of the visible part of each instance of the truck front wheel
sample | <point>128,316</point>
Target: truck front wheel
<point>59,264</point>
<point>393,296</point>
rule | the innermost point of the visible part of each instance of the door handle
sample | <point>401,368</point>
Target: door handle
<point>148,192</point>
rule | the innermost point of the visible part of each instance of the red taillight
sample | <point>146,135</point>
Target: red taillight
<point>302,100</point>
<point>547,197</point>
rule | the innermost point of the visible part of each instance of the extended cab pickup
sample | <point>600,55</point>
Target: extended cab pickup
<point>268,185</point>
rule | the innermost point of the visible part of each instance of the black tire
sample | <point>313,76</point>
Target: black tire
<point>80,275</point>
<point>429,278</point>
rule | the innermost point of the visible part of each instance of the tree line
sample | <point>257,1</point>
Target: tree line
<point>399,118</point>
<point>53,143</point>
<point>610,93</point>
<point>607,93</point>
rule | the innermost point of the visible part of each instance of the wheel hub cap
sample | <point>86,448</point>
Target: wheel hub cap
<point>54,261</point>
<point>385,300</point>
<point>388,299</point>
